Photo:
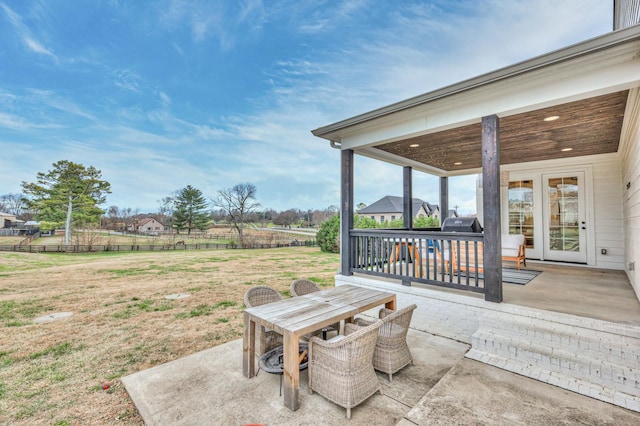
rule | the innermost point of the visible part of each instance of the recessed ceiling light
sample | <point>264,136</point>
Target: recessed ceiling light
<point>566,149</point>
<point>457,163</point>
<point>552,118</point>
<point>414,145</point>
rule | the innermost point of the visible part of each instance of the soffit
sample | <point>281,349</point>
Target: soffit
<point>589,126</point>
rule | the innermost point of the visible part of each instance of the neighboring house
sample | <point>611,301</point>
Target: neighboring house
<point>390,208</point>
<point>556,139</point>
<point>11,225</point>
<point>6,220</point>
<point>148,225</point>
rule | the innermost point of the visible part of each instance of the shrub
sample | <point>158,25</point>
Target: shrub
<point>362,222</point>
<point>425,222</point>
<point>328,236</point>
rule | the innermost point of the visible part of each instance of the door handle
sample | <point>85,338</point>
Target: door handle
<point>584,227</point>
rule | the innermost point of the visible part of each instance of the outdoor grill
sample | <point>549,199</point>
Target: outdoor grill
<point>461,224</point>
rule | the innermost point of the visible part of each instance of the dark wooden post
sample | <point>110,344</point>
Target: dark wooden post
<point>491,208</point>
<point>407,197</point>
<point>407,209</point>
<point>444,198</point>
<point>346,210</point>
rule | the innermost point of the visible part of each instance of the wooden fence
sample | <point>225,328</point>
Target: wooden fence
<point>78,248</point>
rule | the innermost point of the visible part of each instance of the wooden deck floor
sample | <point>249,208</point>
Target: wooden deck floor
<point>595,293</point>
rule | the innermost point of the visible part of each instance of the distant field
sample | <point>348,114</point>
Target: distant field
<point>217,235</point>
<point>122,323</point>
<point>11,240</point>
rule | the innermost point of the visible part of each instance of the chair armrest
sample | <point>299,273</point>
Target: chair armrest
<point>352,332</point>
<point>361,322</point>
<point>350,328</point>
<point>384,312</point>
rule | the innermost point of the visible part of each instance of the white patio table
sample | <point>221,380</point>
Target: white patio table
<point>297,316</point>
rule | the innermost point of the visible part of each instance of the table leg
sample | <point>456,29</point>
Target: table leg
<point>391,304</point>
<point>249,347</point>
<point>291,370</point>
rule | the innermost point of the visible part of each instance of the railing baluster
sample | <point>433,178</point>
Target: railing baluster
<point>407,255</point>
<point>475,244</point>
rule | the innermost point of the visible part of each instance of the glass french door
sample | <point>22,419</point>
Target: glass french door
<point>564,217</point>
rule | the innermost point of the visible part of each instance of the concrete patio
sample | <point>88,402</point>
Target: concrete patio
<point>442,387</point>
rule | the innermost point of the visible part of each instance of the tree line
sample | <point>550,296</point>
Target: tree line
<point>70,195</point>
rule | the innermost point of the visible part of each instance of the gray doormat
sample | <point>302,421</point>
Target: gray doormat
<point>512,275</point>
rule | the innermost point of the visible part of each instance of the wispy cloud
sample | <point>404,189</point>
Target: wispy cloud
<point>51,99</point>
<point>165,100</point>
<point>24,34</point>
<point>203,19</point>
<point>128,80</point>
<point>9,121</point>
<point>225,22</point>
<point>325,19</point>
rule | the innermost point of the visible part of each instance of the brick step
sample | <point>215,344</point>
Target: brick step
<point>598,370</point>
<point>574,384</point>
<point>620,348</point>
<point>592,357</point>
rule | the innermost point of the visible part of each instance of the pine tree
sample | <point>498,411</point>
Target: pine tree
<point>190,210</point>
<point>69,194</point>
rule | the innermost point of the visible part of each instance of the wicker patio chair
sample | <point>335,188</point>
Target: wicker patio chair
<point>261,295</point>
<point>341,369</point>
<point>301,287</point>
<point>392,352</point>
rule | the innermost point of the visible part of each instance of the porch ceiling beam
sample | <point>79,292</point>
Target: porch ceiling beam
<point>379,155</point>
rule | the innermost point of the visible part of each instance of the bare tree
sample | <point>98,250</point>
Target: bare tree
<point>89,237</point>
<point>286,218</point>
<point>12,204</point>
<point>166,204</point>
<point>126,218</point>
<point>238,204</point>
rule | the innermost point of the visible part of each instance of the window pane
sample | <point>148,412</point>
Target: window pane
<point>563,214</point>
<point>521,210</point>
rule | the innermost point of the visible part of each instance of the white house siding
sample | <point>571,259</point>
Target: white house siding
<point>382,217</point>
<point>609,230</point>
<point>627,13</point>
<point>630,149</point>
<point>604,194</point>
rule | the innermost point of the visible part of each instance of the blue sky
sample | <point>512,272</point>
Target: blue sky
<point>163,94</point>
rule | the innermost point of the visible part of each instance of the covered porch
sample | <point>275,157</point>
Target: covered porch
<point>556,143</point>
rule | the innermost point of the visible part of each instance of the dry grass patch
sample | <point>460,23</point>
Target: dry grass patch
<point>51,373</point>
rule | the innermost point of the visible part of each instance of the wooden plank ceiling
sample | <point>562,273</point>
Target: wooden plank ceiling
<point>590,126</point>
